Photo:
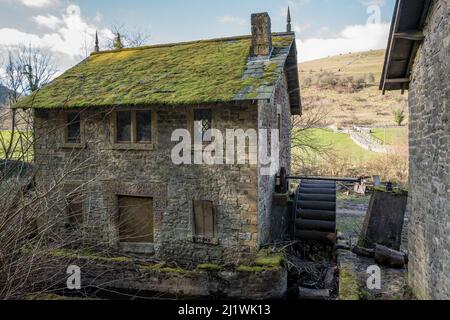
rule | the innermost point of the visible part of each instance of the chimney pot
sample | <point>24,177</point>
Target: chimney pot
<point>261,35</point>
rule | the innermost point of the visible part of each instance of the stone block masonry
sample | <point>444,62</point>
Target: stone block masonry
<point>241,197</point>
<point>151,173</point>
<point>122,274</point>
<point>429,140</point>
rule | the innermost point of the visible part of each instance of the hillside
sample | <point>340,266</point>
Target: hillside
<point>346,86</point>
<point>3,95</point>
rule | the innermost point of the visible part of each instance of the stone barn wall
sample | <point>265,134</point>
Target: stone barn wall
<point>111,172</point>
<point>267,119</point>
<point>429,203</point>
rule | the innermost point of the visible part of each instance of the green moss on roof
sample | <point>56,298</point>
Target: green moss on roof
<point>184,73</point>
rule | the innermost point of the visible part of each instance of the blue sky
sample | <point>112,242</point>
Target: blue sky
<point>323,27</point>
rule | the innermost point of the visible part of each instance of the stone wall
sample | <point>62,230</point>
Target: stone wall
<point>104,172</point>
<point>267,119</point>
<point>429,201</point>
<point>111,172</point>
<point>163,282</point>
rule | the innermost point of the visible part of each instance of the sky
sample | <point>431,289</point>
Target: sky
<point>67,27</point>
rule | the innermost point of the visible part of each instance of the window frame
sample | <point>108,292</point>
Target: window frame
<point>66,143</point>
<point>191,122</point>
<point>197,238</point>
<point>133,144</point>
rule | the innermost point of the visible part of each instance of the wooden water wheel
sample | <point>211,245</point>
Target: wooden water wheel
<point>315,210</point>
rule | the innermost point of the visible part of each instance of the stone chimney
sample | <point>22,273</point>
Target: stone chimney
<point>261,35</point>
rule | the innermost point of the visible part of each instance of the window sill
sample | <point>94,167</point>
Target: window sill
<point>204,240</point>
<point>133,146</point>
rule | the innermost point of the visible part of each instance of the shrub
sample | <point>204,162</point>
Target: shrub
<point>399,116</point>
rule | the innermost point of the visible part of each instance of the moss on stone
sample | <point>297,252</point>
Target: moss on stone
<point>271,74</point>
<point>254,268</point>
<point>85,254</point>
<point>397,192</point>
<point>209,267</point>
<point>162,267</point>
<point>274,260</point>
<point>281,41</point>
<point>265,261</point>
<point>184,73</point>
<point>348,284</point>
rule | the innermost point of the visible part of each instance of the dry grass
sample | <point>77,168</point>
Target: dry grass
<point>365,107</point>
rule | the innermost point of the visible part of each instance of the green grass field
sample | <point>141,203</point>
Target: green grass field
<point>345,158</point>
<point>21,149</point>
<point>341,144</point>
<point>391,136</point>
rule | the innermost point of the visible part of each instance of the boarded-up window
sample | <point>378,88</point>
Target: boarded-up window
<point>204,219</point>
<point>73,127</point>
<point>74,210</point>
<point>135,219</point>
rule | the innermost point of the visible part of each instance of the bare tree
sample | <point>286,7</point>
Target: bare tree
<point>38,68</point>
<point>26,71</point>
<point>305,144</point>
<point>128,38</point>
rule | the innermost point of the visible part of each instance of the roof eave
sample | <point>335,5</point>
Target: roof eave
<point>404,40</point>
<point>292,77</point>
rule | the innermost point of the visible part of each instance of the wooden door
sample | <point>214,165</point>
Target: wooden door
<point>135,219</point>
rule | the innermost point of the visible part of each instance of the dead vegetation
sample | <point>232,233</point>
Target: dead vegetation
<point>348,86</point>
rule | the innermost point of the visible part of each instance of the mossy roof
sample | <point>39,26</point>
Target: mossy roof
<point>209,71</point>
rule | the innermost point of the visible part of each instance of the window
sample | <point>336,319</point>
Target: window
<point>133,127</point>
<point>135,219</point>
<point>73,128</point>
<point>74,210</point>
<point>204,223</point>
<point>143,126</point>
<point>203,123</point>
<point>124,126</point>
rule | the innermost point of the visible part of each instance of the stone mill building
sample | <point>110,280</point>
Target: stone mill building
<point>418,60</point>
<point>106,125</point>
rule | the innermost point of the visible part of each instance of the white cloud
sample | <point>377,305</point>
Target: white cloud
<point>48,21</point>
<point>232,20</point>
<point>354,38</point>
<point>38,3</point>
<point>69,34</point>
<point>98,17</point>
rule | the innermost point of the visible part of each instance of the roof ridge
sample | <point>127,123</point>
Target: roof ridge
<point>172,44</point>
